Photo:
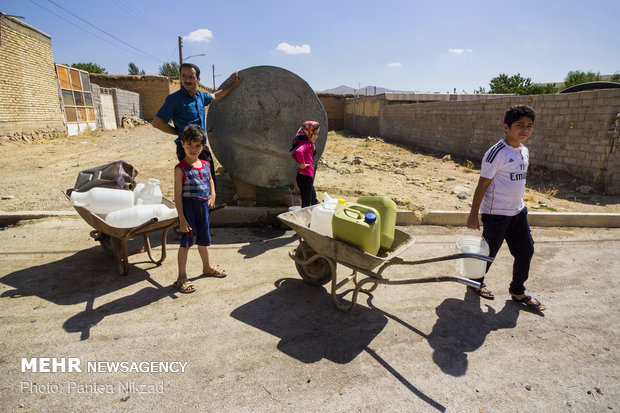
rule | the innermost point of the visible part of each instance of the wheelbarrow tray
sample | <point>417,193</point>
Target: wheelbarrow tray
<point>120,236</point>
<point>317,256</point>
<point>339,251</point>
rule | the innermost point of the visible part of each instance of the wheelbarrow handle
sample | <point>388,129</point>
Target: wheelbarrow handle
<point>142,226</point>
<point>217,207</point>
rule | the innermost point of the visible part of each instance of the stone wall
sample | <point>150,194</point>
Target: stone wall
<point>574,132</point>
<point>29,100</point>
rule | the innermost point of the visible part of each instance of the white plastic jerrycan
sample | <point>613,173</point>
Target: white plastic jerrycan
<point>322,215</point>
<point>102,200</point>
<point>136,191</point>
<point>150,194</point>
<point>139,214</point>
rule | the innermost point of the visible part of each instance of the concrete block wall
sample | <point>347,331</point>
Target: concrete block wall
<point>126,102</point>
<point>29,99</point>
<point>97,105</point>
<point>575,132</point>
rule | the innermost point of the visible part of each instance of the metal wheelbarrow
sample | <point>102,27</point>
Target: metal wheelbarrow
<point>114,240</point>
<point>317,256</point>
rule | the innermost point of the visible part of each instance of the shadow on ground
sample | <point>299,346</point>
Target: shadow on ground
<point>92,273</point>
<point>309,326</point>
<point>82,278</point>
<point>462,327</point>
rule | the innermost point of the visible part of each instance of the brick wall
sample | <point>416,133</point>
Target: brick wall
<point>574,132</point>
<point>29,99</point>
<point>362,115</point>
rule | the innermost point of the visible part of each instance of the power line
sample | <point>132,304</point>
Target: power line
<point>171,53</point>
<point>89,32</point>
<point>142,19</point>
<point>161,28</point>
<point>103,31</point>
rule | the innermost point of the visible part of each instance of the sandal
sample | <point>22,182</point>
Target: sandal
<point>216,272</point>
<point>484,292</point>
<point>535,305</point>
<point>184,287</point>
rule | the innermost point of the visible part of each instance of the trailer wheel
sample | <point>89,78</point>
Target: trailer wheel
<point>318,272</point>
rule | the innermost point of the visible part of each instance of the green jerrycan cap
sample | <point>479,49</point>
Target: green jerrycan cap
<point>371,218</point>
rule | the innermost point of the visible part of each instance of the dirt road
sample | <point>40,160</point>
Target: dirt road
<point>35,174</point>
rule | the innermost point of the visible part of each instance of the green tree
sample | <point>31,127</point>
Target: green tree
<point>576,77</point>
<point>518,85</point>
<point>170,69</point>
<point>134,70</point>
<point>615,78</point>
<point>90,67</point>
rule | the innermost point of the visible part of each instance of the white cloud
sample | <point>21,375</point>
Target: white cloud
<point>459,51</point>
<point>200,35</point>
<point>290,49</point>
<point>395,64</point>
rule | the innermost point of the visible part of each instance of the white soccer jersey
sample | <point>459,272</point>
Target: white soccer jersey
<point>506,167</point>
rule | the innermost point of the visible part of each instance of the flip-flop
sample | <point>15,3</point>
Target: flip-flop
<point>216,272</point>
<point>537,305</point>
<point>488,294</point>
<point>185,287</point>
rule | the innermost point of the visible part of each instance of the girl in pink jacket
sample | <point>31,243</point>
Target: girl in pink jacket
<point>303,152</point>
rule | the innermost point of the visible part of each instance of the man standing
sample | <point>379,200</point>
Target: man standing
<point>187,106</point>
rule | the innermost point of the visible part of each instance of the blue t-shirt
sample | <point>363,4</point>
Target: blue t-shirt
<point>185,110</point>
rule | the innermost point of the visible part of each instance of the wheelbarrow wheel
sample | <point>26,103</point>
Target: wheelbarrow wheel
<point>317,272</point>
<point>105,240</point>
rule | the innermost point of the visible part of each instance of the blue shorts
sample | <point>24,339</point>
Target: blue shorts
<point>196,213</point>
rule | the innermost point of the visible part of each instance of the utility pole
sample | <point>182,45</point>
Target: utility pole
<point>180,51</point>
<point>213,69</point>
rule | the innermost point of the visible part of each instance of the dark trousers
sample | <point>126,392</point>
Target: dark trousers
<point>205,155</point>
<point>516,231</point>
<point>306,190</point>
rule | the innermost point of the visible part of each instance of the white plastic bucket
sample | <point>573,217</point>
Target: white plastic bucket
<point>471,267</point>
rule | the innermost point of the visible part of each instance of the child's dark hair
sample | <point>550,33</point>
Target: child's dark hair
<point>194,133</point>
<point>516,112</point>
<point>191,66</point>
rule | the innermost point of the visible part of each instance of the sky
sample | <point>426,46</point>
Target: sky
<point>423,46</point>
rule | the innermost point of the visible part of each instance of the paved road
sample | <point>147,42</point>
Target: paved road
<point>263,340</point>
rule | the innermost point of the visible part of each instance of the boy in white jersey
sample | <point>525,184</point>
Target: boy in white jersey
<point>499,198</point>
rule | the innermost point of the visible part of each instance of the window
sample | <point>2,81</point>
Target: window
<point>77,98</point>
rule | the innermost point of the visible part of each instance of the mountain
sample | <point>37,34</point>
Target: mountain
<point>366,90</point>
